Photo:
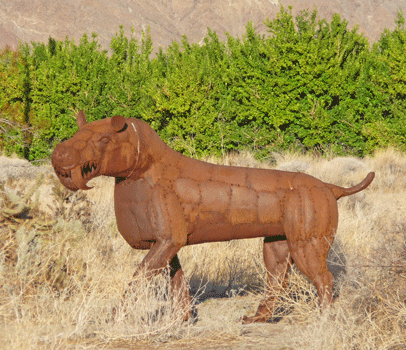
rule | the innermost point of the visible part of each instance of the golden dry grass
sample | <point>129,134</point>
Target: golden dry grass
<point>60,284</point>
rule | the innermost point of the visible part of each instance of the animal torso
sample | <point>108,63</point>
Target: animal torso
<point>216,203</point>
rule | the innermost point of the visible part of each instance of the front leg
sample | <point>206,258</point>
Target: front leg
<point>180,288</point>
<point>168,220</point>
<point>158,257</point>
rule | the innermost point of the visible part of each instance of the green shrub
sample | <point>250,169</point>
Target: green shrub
<point>308,84</point>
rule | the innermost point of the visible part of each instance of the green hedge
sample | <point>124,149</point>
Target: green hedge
<point>308,84</point>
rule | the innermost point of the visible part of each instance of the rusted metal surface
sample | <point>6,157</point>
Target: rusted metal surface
<point>164,201</point>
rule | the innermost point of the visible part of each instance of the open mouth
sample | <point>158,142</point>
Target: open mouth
<point>89,170</point>
<point>77,178</point>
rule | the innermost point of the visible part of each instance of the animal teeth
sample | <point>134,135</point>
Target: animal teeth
<point>64,173</point>
<point>88,169</point>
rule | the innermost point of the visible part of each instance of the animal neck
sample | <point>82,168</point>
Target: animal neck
<point>137,155</point>
<point>149,148</point>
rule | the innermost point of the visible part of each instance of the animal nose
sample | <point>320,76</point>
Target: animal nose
<point>66,157</point>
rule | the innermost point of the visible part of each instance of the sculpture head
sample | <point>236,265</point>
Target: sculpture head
<point>104,147</point>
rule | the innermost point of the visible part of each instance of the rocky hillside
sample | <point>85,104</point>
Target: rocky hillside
<point>36,20</point>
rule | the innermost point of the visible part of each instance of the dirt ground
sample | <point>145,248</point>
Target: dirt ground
<point>271,336</point>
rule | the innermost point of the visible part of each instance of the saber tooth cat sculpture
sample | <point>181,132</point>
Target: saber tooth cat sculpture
<point>164,201</point>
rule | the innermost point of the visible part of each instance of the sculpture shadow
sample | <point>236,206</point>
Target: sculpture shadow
<point>202,292</point>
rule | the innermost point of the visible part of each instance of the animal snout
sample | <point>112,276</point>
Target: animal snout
<point>65,157</point>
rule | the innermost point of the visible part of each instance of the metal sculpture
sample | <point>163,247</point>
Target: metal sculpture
<point>165,200</point>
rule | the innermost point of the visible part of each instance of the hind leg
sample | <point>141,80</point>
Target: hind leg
<point>311,259</point>
<point>277,262</point>
<point>310,222</point>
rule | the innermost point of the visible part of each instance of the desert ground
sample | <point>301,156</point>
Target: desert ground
<point>64,268</point>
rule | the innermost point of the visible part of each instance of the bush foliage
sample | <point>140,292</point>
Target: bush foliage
<point>308,84</point>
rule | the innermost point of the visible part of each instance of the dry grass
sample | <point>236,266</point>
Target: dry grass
<point>60,284</point>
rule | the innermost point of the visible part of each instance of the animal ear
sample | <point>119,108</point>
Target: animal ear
<point>118,123</point>
<point>81,119</point>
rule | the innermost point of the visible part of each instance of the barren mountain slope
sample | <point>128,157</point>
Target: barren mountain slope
<point>36,20</point>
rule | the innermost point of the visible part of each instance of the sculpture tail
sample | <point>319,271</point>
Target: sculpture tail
<point>343,192</point>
